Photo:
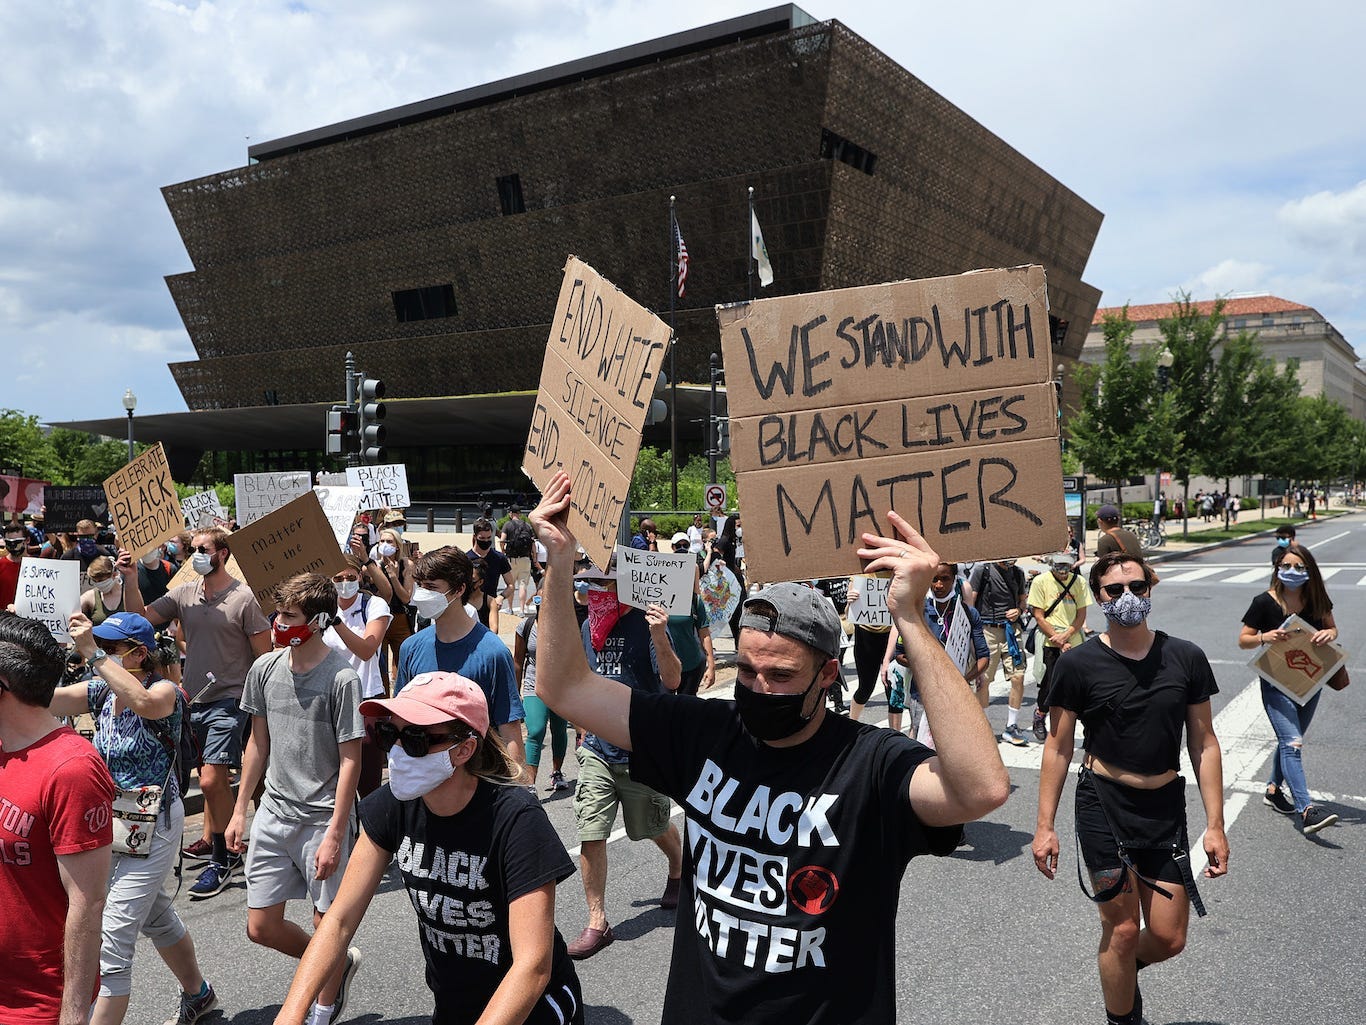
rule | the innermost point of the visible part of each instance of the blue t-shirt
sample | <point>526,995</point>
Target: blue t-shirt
<point>479,656</point>
<point>134,754</point>
<point>628,656</point>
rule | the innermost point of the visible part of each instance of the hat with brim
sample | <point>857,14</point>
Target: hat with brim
<point>679,539</point>
<point>126,626</point>
<point>431,698</point>
<point>593,573</point>
<point>1061,560</point>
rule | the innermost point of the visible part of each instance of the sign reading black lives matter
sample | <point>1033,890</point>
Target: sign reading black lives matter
<point>932,397</point>
<point>601,362</point>
<point>143,504</point>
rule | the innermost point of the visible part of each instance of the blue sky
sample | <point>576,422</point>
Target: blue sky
<point>1222,141</point>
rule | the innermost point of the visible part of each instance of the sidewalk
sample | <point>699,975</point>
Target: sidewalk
<point>1175,547</point>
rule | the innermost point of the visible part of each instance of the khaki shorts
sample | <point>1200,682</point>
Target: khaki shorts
<point>601,787</point>
<point>999,652</point>
<point>279,863</point>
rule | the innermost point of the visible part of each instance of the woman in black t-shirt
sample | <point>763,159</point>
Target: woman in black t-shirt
<point>478,857</point>
<point>1296,589</point>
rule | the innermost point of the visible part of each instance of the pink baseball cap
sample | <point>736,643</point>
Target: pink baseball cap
<point>431,698</point>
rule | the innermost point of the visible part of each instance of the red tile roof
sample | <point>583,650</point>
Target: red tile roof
<point>1241,307</point>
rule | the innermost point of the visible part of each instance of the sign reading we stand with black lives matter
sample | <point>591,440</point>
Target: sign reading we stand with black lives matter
<point>931,397</point>
<point>601,362</point>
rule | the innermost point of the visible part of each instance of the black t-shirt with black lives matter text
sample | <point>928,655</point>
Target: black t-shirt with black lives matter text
<point>793,861</point>
<point>461,872</point>
<point>1144,733</point>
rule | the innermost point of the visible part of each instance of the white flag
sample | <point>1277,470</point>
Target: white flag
<point>758,251</point>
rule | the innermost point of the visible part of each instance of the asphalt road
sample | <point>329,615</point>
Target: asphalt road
<point>982,936</point>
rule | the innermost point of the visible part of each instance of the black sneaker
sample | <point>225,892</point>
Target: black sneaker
<point>1315,818</point>
<point>192,1008</point>
<point>348,975</point>
<point>1040,726</point>
<point>1275,798</point>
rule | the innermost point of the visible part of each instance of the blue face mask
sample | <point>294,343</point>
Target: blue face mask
<point>1292,577</point>
<point>1282,542</point>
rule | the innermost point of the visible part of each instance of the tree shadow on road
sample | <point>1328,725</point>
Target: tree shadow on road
<point>995,842</point>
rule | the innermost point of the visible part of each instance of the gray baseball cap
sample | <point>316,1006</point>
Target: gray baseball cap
<point>799,612</point>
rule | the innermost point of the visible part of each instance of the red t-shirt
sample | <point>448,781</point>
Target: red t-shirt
<point>55,798</point>
<point>9,581</point>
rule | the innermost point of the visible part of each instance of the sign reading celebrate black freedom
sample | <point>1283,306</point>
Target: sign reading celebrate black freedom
<point>932,397</point>
<point>143,504</point>
<point>601,361</point>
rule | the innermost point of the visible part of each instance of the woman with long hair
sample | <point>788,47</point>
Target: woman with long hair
<point>450,798</point>
<point>1296,589</point>
<point>397,569</point>
<point>358,635</point>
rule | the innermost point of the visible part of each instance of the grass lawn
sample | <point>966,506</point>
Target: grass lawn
<point>1244,528</point>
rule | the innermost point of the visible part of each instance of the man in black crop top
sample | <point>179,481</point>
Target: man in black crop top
<point>1133,690</point>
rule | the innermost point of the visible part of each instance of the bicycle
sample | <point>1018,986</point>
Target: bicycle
<point>1149,534</point>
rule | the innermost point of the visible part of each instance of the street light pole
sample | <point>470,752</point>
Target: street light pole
<point>130,403</point>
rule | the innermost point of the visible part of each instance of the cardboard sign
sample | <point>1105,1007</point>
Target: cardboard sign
<point>143,505</point>
<point>49,591</point>
<point>259,494</point>
<point>332,480</point>
<point>340,506</point>
<point>597,380</point>
<point>385,485</point>
<point>21,496</point>
<point>202,509</point>
<point>958,643</point>
<point>68,506</point>
<point>868,600</point>
<point>1294,666</point>
<point>294,539</point>
<point>931,397</point>
<point>656,578</point>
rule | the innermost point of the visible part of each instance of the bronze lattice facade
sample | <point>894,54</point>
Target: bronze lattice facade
<point>861,174</point>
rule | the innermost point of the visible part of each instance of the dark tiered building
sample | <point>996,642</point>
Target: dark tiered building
<point>429,239</point>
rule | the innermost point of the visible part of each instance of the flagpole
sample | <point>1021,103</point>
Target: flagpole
<point>749,244</point>
<point>673,348</point>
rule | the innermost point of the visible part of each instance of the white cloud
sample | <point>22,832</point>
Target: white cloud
<point>1335,220</point>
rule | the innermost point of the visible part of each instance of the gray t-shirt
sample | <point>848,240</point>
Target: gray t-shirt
<point>309,715</point>
<point>218,633</point>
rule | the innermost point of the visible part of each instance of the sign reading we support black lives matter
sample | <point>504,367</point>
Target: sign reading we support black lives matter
<point>932,397</point>
<point>143,505</point>
<point>601,362</point>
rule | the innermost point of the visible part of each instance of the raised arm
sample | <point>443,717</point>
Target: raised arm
<point>565,683</point>
<point>966,778</point>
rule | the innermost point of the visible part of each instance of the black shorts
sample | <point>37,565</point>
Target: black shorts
<point>1152,824</point>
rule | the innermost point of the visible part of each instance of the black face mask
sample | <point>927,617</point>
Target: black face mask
<point>16,546</point>
<point>87,547</point>
<point>773,716</point>
<point>483,544</point>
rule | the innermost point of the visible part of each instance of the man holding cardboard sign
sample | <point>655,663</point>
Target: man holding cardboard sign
<point>799,822</point>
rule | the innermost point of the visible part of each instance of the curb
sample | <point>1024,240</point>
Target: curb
<point>1160,556</point>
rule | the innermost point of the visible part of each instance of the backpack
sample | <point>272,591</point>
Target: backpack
<point>519,539</point>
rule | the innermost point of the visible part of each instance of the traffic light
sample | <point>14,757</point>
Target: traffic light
<point>372,429</point>
<point>723,435</point>
<point>658,410</point>
<point>342,434</point>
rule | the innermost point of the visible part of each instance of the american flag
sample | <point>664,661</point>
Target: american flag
<point>681,251</point>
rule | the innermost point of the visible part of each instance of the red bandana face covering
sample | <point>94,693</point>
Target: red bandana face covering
<point>603,612</point>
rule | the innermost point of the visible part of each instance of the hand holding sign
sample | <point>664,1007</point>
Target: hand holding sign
<point>550,520</point>
<point>911,561</point>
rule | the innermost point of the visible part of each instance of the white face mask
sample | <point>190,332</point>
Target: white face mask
<point>348,589</point>
<point>105,586</point>
<point>411,777</point>
<point>151,559</point>
<point>430,604</point>
<point>202,563</point>
<point>387,550</point>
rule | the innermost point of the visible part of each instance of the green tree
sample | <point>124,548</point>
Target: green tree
<point>1321,441</point>
<point>86,459</point>
<point>1191,337</point>
<point>24,447</point>
<point>1125,424</point>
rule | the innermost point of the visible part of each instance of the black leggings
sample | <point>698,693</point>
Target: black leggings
<point>869,647</point>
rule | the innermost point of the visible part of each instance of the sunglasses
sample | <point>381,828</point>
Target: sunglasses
<point>415,741</point>
<point>1139,587</point>
<point>204,549</point>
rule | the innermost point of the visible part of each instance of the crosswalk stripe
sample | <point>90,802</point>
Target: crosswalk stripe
<point>1193,574</point>
<point>1250,576</point>
<point>1327,571</point>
